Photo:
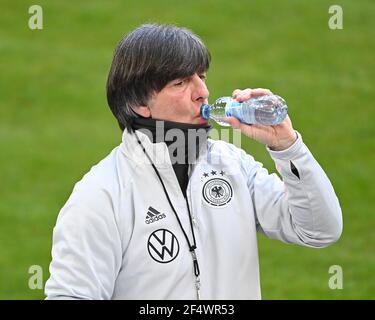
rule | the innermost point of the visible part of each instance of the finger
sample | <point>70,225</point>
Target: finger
<point>245,128</point>
<point>236,92</point>
<point>243,95</point>
<point>234,122</point>
<point>260,92</point>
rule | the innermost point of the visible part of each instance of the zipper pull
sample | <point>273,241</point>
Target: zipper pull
<point>198,287</point>
<point>197,273</point>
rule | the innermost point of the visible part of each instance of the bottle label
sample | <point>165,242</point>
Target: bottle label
<point>230,108</point>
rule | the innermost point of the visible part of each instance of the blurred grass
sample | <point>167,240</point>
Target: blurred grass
<point>55,123</point>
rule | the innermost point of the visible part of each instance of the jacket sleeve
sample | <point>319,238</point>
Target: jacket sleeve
<point>302,208</point>
<point>86,249</point>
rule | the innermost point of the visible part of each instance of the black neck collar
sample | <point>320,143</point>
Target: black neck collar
<point>159,128</point>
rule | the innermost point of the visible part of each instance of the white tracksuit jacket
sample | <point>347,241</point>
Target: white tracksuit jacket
<point>118,238</point>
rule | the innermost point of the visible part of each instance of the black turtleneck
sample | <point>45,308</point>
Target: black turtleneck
<point>180,169</point>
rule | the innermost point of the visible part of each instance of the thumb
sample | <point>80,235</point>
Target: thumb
<point>234,122</point>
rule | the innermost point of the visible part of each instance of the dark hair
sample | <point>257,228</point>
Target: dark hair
<point>147,59</point>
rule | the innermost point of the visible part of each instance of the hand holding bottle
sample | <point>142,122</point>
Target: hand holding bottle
<point>277,137</point>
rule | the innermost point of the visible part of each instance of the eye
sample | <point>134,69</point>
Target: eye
<point>203,76</point>
<point>179,83</point>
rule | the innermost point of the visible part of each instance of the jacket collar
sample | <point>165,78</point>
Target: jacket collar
<point>158,152</point>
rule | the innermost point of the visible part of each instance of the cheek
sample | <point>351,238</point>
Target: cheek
<point>173,106</point>
<point>177,105</point>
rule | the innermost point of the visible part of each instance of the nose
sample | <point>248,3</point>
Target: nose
<point>200,92</point>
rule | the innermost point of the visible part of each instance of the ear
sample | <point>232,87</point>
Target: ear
<point>144,111</point>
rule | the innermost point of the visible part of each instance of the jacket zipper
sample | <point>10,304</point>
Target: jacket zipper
<point>197,279</point>
<point>194,255</point>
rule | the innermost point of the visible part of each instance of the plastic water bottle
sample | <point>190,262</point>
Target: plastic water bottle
<point>266,110</point>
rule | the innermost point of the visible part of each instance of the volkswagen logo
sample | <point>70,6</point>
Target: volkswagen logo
<point>163,246</point>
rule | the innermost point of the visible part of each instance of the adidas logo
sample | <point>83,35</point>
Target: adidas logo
<point>153,215</point>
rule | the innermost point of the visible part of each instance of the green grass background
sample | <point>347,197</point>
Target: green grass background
<point>55,123</point>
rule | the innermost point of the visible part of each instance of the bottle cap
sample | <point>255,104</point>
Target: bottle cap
<point>205,111</point>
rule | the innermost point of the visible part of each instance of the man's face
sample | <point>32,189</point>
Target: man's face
<point>180,100</point>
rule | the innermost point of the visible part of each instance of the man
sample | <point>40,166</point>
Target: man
<point>141,226</point>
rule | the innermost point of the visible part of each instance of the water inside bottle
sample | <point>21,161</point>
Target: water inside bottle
<point>217,110</point>
<point>270,110</point>
<point>266,110</point>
